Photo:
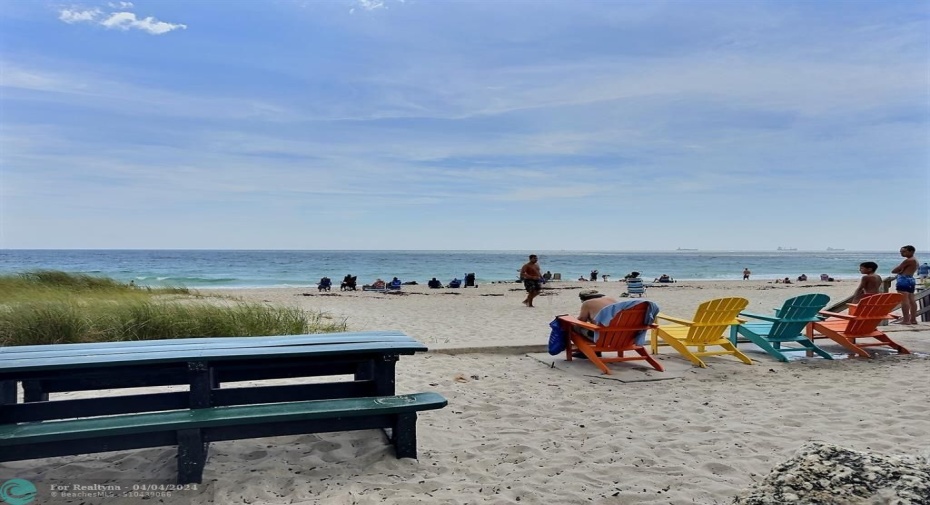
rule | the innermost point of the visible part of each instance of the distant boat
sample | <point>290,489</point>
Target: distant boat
<point>787,249</point>
<point>683,249</point>
<point>834,249</point>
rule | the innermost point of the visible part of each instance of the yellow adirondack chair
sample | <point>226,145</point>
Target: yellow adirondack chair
<point>708,328</point>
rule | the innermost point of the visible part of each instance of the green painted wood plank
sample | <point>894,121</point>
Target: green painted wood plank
<point>51,431</point>
<point>151,356</point>
<point>261,340</point>
<point>205,343</point>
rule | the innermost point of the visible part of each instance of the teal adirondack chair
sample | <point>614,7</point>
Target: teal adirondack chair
<point>786,326</point>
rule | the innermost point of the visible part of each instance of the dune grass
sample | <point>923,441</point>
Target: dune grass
<point>51,307</point>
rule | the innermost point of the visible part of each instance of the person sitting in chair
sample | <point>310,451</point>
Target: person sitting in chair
<point>592,302</point>
<point>455,283</point>
<point>434,283</point>
<point>664,278</point>
<point>631,275</point>
<point>802,277</point>
<point>325,284</point>
<point>395,283</point>
<point>348,283</point>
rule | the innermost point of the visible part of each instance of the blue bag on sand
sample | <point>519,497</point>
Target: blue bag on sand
<point>556,338</point>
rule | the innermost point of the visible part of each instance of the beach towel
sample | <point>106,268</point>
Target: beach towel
<point>606,315</point>
<point>557,337</point>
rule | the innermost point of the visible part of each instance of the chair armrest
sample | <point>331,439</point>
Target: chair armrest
<point>574,321</point>
<point>759,316</point>
<point>825,313</point>
<point>674,319</point>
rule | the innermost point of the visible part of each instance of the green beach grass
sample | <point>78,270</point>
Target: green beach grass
<point>52,307</point>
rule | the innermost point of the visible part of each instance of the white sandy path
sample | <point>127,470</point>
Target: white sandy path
<point>526,433</point>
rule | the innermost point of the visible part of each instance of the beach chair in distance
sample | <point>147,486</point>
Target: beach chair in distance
<point>706,329</point>
<point>325,284</point>
<point>862,322</point>
<point>349,283</point>
<point>785,327</point>
<point>620,336</point>
<point>635,286</point>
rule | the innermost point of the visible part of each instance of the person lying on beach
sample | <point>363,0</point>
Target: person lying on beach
<point>378,284</point>
<point>871,282</point>
<point>664,278</point>
<point>802,277</point>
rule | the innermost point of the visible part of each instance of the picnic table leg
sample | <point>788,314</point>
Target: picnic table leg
<point>7,392</point>
<point>201,381</point>
<point>381,372</point>
<point>192,456</point>
<point>384,375</point>
<point>404,435</point>
<point>32,391</point>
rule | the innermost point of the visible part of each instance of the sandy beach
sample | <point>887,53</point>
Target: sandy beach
<point>521,427</point>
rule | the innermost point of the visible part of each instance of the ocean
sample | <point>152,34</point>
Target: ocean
<point>252,269</point>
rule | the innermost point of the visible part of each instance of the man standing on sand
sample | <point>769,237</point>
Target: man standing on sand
<point>532,279</point>
<point>906,285</point>
<point>746,273</point>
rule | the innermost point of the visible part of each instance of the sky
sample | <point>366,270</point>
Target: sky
<point>465,125</point>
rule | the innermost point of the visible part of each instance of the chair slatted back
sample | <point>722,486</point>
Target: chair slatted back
<point>713,317</point>
<point>871,311</point>
<point>796,312</point>
<point>621,333</point>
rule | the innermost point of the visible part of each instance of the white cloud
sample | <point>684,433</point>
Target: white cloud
<point>370,5</point>
<point>76,16</point>
<point>122,20</point>
<point>127,20</point>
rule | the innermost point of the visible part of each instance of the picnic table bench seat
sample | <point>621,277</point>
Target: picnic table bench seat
<point>192,430</point>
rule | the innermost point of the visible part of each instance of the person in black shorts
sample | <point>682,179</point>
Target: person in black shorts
<point>532,279</point>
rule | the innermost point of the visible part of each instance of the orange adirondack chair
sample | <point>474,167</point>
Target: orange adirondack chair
<point>619,337</point>
<point>862,322</point>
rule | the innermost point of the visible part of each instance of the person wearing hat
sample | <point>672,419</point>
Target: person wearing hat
<point>592,301</point>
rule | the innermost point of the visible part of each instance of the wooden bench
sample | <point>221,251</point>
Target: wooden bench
<point>193,430</point>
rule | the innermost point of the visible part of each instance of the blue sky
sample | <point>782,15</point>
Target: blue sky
<point>427,124</point>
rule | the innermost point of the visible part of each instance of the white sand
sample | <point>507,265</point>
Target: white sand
<point>519,431</point>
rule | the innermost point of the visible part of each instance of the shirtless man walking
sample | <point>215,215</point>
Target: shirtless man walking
<point>532,279</point>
